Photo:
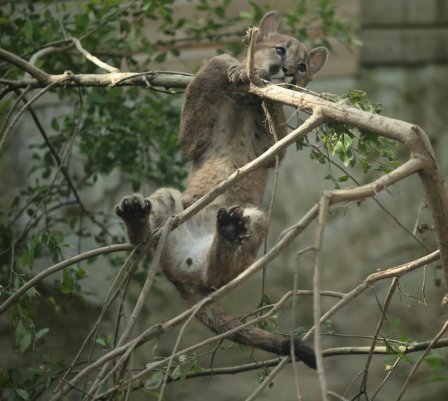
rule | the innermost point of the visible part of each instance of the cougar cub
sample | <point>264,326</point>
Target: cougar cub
<point>221,132</point>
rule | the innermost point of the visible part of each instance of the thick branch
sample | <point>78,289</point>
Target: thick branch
<point>411,135</point>
<point>154,78</point>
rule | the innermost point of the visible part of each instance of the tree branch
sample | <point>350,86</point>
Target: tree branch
<point>422,357</point>
<point>338,351</point>
<point>59,266</point>
<point>161,79</point>
<point>324,205</point>
<point>41,76</point>
<point>92,58</point>
<point>374,277</point>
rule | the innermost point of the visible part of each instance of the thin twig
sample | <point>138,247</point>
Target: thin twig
<point>113,292</point>
<point>24,65</point>
<point>343,351</point>
<point>47,50</point>
<point>273,132</point>
<point>420,360</point>
<point>337,396</point>
<point>55,155</point>
<point>374,199</point>
<point>21,95</point>
<point>141,299</point>
<point>294,325</point>
<point>59,266</point>
<point>389,373</point>
<point>422,206</point>
<point>386,304</point>
<point>372,278</point>
<point>92,58</point>
<point>323,212</point>
<point>252,35</point>
<point>5,132</point>
<point>173,352</point>
<point>268,379</point>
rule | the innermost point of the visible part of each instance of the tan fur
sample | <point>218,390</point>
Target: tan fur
<point>220,132</point>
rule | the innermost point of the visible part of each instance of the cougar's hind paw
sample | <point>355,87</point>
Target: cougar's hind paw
<point>233,225</point>
<point>133,207</point>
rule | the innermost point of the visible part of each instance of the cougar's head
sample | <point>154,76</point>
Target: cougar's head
<point>284,58</point>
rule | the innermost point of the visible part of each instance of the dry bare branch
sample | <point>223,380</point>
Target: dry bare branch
<point>59,266</point>
<point>92,58</point>
<point>384,308</point>
<point>374,277</point>
<point>420,360</point>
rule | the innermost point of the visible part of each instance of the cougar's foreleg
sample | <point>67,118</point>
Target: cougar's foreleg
<point>142,215</point>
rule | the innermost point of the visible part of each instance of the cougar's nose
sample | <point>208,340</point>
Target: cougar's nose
<point>289,71</point>
<point>290,75</point>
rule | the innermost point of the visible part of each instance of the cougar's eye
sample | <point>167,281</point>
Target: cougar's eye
<point>280,51</point>
<point>301,67</point>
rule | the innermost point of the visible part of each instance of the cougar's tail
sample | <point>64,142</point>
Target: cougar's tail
<point>217,320</point>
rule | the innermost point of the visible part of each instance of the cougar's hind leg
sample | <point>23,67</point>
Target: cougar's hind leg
<point>238,235</point>
<point>141,215</point>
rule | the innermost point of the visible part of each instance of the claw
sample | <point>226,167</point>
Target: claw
<point>133,207</point>
<point>232,225</point>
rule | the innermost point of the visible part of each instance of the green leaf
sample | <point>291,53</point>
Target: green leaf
<point>81,21</point>
<point>154,381</point>
<point>67,283</point>
<point>125,26</point>
<point>101,341</point>
<point>58,236</point>
<point>41,333</point>
<point>160,58</point>
<point>23,394</point>
<point>25,341</point>
<point>28,29</point>
<point>196,368</point>
<point>32,292</point>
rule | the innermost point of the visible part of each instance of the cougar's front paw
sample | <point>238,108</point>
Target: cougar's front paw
<point>133,207</point>
<point>232,225</point>
<point>237,74</point>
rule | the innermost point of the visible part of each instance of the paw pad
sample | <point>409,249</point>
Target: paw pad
<point>233,225</point>
<point>133,207</point>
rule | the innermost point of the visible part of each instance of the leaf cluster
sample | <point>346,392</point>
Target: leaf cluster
<point>352,146</point>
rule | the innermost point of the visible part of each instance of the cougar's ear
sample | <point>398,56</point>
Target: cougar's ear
<point>318,57</point>
<point>271,23</point>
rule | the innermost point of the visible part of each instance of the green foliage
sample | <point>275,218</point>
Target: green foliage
<point>352,146</point>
